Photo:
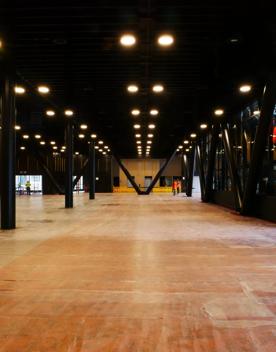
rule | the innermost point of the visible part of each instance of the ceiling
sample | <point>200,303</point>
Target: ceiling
<point>74,48</point>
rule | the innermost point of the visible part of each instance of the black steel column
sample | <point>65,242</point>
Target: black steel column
<point>7,150</point>
<point>201,171</point>
<point>232,167</point>
<point>191,163</point>
<point>211,164</point>
<point>69,165</point>
<point>92,173</point>
<point>268,104</point>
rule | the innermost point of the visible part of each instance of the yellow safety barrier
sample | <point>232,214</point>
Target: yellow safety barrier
<point>132,190</point>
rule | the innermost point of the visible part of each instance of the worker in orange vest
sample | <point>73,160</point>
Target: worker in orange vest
<point>174,187</point>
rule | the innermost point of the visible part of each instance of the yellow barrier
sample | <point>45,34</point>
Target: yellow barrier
<point>132,190</point>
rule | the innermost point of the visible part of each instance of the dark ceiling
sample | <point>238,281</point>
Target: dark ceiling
<point>73,47</point>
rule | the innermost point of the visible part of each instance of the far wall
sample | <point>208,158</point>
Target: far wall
<point>146,167</point>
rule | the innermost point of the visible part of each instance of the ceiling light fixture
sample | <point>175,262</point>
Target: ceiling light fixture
<point>245,88</point>
<point>135,112</point>
<point>165,40</point>
<point>150,135</point>
<point>69,112</point>
<point>37,136</point>
<point>50,113</point>
<point>186,141</point>
<point>132,88</point>
<point>81,136</point>
<point>100,142</point>
<point>154,112</point>
<point>138,135</point>
<point>157,88</point>
<point>19,90</point>
<point>83,127</point>
<point>22,148</point>
<point>193,135</point>
<point>42,142</point>
<point>151,126</point>
<point>219,112</point>
<point>25,136</point>
<point>203,126</point>
<point>136,126</point>
<point>17,127</point>
<point>43,89</point>
<point>127,40</point>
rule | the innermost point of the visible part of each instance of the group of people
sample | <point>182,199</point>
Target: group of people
<point>176,187</point>
<point>27,187</point>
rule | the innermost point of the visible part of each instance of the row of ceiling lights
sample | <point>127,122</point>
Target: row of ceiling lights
<point>156,88</point>
<point>245,88</point>
<point>129,40</point>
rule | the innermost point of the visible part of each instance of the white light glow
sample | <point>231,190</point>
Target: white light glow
<point>193,135</point>
<point>165,40</point>
<point>219,112</point>
<point>245,88</point>
<point>83,127</point>
<point>19,90</point>
<point>93,136</point>
<point>50,113</point>
<point>136,126</point>
<point>43,89</point>
<point>203,126</point>
<point>132,88</point>
<point>154,112</point>
<point>138,135</point>
<point>158,88</point>
<point>81,136</point>
<point>151,126</point>
<point>69,112</point>
<point>37,136</point>
<point>26,136</point>
<point>127,40</point>
<point>135,112</point>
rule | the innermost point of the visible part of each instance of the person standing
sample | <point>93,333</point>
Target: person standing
<point>174,187</point>
<point>28,187</point>
<point>178,186</point>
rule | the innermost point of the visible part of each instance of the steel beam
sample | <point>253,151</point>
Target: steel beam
<point>211,164</point>
<point>69,165</point>
<point>92,171</point>
<point>80,174</point>
<point>201,170</point>
<point>159,173</point>
<point>7,151</point>
<point>268,104</point>
<point>235,179</point>
<point>125,171</point>
<point>45,168</point>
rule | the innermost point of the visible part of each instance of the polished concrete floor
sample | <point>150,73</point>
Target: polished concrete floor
<point>136,273</point>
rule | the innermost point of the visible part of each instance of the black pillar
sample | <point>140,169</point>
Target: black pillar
<point>92,173</point>
<point>201,171</point>
<point>7,150</point>
<point>268,104</point>
<point>69,165</point>
<point>191,163</point>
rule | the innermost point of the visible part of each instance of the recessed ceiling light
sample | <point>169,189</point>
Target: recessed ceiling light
<point>97,147</point>
<point>50,113</point>
<point>83,127</point>
<point>158,88</point>
<point>186,142</point>
<point>81,136</point>
<point>180,147</point>
<point>234,40</point>
<point>150,135</point>
<point>132,88</point>
<point>17,127</point>
<point>138,135</point>
<point>104,153</point>
<point>106,147</point>
<point>19,90</point>
<point>25,136</point>
<point>154,112</point>
<point>55,147</point>
<point>219,112</point>
<point>138,142</point>
<point>100,150</point>
<point>135,112</point>
<point>245,88</point>
<point>128,40</point>
<point>149,142</point>
<point>187,150</point>
<point>193,135</point>
<point>37,136</point>
<point>77,153</point>
<point>69,112</point>
<point>42,142</point>
<point>203,126</point>
<point>43,89</point>
<point>93,136</point>
<point>52,142</point>
<point>165,40</point>
<point>22,148</point>
<point>151,126</point>
<point>136,126</point>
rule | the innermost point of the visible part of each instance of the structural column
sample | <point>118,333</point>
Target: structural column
<point>92,173</point>
<point>69,165</point>
<point>191,163</point>
<point>7,151</point>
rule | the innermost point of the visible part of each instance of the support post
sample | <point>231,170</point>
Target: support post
<point>69,165</point>
<point>235,179</point>
<point>92,173</point>
<point>191,163</point>
<point>211,164</point>
<point>201,171</point>
<point>159,173</point>
<point>8,150</point>
<point>268,104</point>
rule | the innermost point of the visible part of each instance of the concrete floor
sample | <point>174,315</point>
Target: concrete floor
<point>136,273</point>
